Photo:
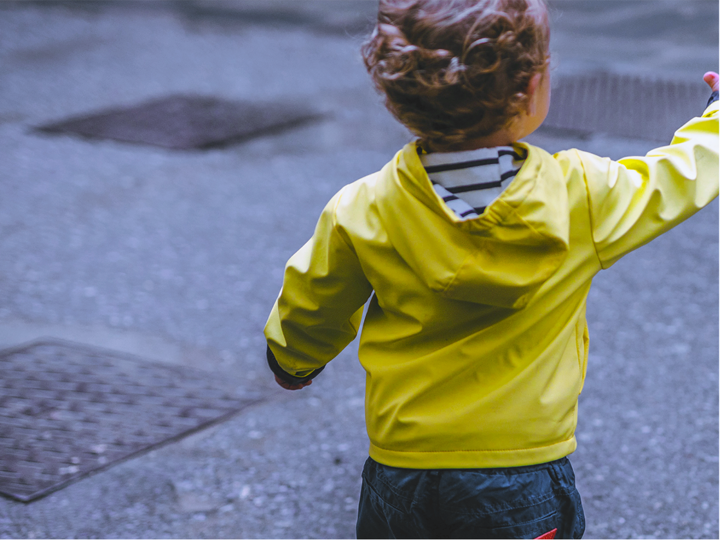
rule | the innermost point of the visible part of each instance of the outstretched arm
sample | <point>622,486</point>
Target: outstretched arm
<point>319,309</point>
<point>638,198</point>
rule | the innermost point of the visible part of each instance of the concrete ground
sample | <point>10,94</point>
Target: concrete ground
<point>177,257</point>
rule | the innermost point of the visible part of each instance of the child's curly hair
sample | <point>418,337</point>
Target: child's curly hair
<point>456,70</point>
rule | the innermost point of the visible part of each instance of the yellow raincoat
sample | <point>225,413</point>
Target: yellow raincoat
<point>475,340</point>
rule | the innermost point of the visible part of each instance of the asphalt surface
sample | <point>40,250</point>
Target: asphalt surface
<point>177,257</point>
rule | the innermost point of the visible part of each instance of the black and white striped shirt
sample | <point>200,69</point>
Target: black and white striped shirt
<point>470,180</point>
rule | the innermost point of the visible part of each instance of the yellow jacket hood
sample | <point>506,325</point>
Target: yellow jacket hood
<point>499,259</point>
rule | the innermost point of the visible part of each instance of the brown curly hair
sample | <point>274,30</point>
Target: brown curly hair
<point>456,70</point>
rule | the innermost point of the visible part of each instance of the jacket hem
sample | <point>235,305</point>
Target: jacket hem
<point>472,459</point>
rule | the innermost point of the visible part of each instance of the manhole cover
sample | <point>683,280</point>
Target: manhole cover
<point>186,122</point>
<point>623,105</point>
<point>68,410</point>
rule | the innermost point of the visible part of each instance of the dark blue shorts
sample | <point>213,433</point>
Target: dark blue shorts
<point>515,502</point>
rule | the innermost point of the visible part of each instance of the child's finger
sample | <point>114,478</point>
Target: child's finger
<point>712,79</point>
<point>290,386</point>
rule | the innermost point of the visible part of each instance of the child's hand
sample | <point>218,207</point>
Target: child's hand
<point>288,386</point>
<point>712,79</point>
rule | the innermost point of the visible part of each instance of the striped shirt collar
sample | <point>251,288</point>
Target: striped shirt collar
<point>469,181</point>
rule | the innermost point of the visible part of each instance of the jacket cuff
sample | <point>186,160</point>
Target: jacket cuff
<point>713,98</point>
<point>284,375</point>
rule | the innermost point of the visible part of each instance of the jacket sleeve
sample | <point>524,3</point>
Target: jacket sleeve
<point>636,199</point>
<point>319,309</point>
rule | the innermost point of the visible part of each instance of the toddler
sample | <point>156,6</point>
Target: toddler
<point>476,253</point>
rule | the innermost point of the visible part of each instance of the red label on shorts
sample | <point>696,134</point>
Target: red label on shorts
<point>549,534</point>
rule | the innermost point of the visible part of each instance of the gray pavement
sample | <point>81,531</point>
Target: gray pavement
<point>177,257</point>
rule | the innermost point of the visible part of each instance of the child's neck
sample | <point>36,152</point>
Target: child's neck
<point>522,126</point>
<point>504,137</point>
<point>499,138</point>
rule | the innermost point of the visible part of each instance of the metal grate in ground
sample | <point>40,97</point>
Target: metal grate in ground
<point>625,106</point>
<point>68,410</point>
<point>185,122</point>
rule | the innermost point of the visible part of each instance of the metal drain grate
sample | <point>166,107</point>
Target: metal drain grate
<point>623,105</point>
<point>68,410</point>
<point>186,122</point>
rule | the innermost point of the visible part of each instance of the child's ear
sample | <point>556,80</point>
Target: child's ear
<point>530,93</point>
